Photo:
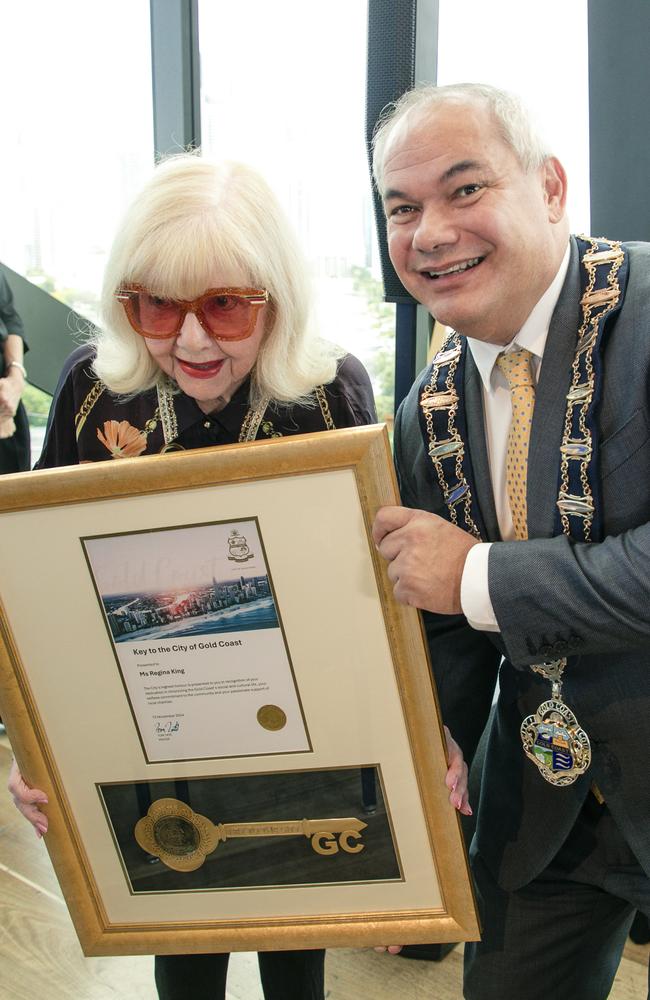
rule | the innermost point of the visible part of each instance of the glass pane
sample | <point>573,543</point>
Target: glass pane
<point>501,43</point>
<point>78,137</point>
<point>294,108</point>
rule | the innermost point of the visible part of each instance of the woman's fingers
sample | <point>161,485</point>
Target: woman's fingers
<point>28,800</point>
<point>457,776</point>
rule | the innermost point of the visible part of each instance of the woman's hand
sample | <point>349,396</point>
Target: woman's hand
<point>456,782</point>
<point>27,800</point>
<point>7,427</point>
<point>10,392</point>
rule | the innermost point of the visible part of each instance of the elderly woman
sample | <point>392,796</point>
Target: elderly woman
<point>205,341</point>
<point>206,336</point>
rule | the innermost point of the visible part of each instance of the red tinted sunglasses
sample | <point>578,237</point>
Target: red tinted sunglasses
<point>224,313</point>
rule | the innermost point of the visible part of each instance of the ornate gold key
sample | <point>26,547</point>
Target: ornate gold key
<point>182,839</point>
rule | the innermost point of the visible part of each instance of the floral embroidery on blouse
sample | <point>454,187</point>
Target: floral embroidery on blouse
<point>122,439</point>
<point>269,429</point>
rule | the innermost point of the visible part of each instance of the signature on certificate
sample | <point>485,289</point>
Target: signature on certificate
<point>167,728</point>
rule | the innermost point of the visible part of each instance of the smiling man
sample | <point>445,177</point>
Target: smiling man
<point>523,455</point>
<point>463,216</point>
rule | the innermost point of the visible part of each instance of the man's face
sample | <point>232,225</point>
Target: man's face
<point>472,237</point>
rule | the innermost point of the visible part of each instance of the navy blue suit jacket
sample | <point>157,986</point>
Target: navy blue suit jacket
<point>553,597</point>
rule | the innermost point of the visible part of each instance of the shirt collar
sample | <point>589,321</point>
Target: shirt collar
<point>188,412</point>
<point>533,333</point>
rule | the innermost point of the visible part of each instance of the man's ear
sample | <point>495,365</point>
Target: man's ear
<point>555,188</point>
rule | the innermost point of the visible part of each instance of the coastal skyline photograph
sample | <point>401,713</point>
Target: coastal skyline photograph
<point>235,605</point>
<point>189,580</point>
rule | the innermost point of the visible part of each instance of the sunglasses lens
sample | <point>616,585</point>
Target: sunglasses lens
<point>228,315</point>
<point>157,316</point>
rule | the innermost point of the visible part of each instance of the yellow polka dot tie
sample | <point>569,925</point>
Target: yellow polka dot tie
<point>517,370</point>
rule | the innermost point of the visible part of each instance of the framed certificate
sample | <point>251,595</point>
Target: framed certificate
<point>202,664</point>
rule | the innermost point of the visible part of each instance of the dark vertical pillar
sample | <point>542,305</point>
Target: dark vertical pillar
<point>390,72</point>
<point>619,121</point>
<point>405,349</point>
<point>402,50</point>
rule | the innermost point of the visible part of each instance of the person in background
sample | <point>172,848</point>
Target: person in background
<point>523,455</point>
<point>206,341</point>
<point>14,425</point>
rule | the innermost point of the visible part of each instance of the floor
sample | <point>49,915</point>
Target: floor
<point>40,955</point>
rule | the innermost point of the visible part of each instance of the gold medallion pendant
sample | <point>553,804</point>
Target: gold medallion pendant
<point>554,740</point>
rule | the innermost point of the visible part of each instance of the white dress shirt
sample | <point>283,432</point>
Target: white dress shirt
<point>474,594</point>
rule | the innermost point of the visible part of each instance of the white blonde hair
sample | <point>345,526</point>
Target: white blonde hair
<point>192,219</point>
<point>510,116</point>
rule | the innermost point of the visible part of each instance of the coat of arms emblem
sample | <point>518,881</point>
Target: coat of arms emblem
<point>238,547</point>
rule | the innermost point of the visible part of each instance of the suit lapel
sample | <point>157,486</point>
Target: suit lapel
<point>478,448</point>
<point>550,405</point>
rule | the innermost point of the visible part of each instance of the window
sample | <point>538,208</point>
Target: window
<point>506,43</point>
<point>78,137</point>
<point>284,90</point>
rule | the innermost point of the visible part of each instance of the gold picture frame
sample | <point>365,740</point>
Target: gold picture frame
<point>367,867</point>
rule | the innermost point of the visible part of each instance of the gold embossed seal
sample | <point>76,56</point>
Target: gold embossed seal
<point>271,717</point>
<point>177,835</point>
